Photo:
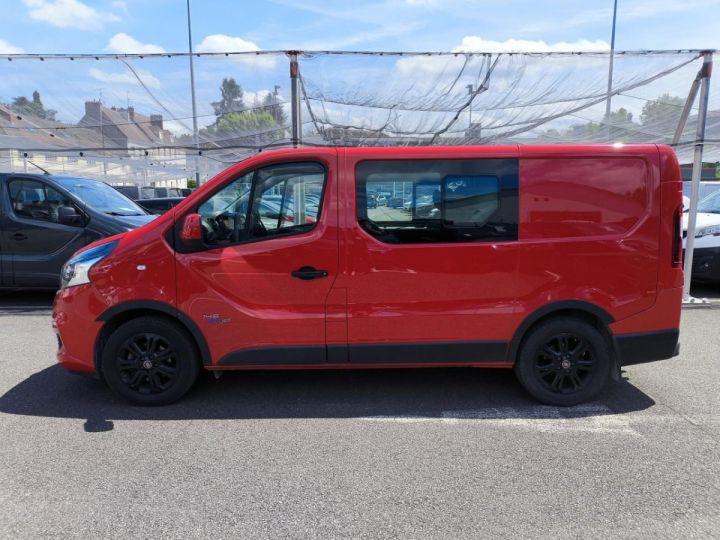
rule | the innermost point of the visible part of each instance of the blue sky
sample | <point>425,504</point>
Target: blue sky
<point>53,26</point>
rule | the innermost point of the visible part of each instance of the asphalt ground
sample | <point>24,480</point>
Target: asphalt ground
<point>357,454</point>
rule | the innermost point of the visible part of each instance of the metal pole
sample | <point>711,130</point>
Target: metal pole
<point>687,108</point>
<point>610,71</point>
<point>697,170</point>
<point>102,136</point>
<point>295,100</point>
<point>194,105</point>
<point>470,91</point>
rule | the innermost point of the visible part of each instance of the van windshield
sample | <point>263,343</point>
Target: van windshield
<point>101,197</point>
<point>710,204</point>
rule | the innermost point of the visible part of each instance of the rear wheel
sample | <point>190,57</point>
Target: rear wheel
<point>150,361</point>
<point>564,361</point>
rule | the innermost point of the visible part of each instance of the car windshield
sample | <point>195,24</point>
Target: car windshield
<point>710,204</point>
<point>101,197</point>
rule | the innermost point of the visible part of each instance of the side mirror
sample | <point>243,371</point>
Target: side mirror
<point>67,215</point>
<point>191,230</point>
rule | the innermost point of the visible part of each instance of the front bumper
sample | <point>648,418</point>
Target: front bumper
<point>647,346</point>
<point>76,328</point>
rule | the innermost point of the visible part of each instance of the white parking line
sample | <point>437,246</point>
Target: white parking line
<point>584,418</point>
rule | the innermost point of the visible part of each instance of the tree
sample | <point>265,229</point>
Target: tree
<point>663,113</point>
<point>618,127</point>
<point>231,98</point>
<point>244,128</point>
<point>237,126</point>
<point>23,105</point>
<point>272,104</point>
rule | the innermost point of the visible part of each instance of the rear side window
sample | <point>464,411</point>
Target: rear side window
<point>438,201</point>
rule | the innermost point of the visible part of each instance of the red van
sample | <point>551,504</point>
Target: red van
<point>562,262</point>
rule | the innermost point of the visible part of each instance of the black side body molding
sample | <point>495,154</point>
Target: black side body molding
<point>167,309</point>
<point>375,353</point>
<point>432,352</point>
<point>268,356</point>
<point>577,305</point>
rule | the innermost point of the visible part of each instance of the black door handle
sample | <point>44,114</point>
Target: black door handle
<point>308,272</point>
<point>19,236</point>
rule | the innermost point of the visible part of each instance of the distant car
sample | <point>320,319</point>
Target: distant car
<point>371,201</point>
<point>160,205</point>
<point>381,200</point>
<point>163,192</point>
<point>395,202</point>
<point>706,253</point>
<point>706,188</point>
<point>44,219</point>
<point>186,191</point>
<point>135,192</point>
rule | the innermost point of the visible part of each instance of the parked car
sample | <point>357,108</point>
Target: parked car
<point>706,188</point>
<point>706,251</point>
<point>186,191</point>
<point>395,202</point>
<point>381,200</point>
<point>44,219</point>
<point>562,262</point>
<point>371,201</point>
<point>165,192</point>
<point>135,193</point>
<point>160,205</point>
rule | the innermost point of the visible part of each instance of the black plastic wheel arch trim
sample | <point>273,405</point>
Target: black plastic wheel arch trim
<point>548,309</point>
<point>166,309</point>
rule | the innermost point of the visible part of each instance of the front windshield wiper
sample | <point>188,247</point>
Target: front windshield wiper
<point>113,213</point>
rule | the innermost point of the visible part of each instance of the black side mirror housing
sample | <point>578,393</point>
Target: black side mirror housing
<point>67,215</point>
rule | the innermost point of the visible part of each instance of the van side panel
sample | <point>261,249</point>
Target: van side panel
<point>589,230</point>
<point>665,313</point>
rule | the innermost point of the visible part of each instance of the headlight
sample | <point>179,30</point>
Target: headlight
<point>76,270</point>
<point>707,231</point>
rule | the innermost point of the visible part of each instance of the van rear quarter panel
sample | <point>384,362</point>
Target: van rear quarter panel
<point>589,227</point>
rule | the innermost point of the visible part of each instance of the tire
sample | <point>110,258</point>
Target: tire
<point>150,361</point>
<point>564,361</point>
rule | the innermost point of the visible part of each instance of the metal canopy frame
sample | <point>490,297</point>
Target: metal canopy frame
<point>701,83</point>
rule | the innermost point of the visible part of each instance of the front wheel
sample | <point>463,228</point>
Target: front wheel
<point>150,361</point>
<point>564,361</point>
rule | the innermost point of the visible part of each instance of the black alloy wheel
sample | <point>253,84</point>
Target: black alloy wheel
<point>150,361</point>
<point>147,363</point>
<point>564,361</point>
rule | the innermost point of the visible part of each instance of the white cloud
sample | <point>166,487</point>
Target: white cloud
<point>68,14</point>
<point>478,44</point>
<point>125,78</point>
<point>120,5</point>
<point>7,48</point>
<point>124,43</point>
<point>220,43</point>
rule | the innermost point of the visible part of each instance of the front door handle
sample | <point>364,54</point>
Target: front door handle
<point>19,236</point>
<point>308,272</point>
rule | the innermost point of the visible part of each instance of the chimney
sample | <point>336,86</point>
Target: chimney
<point>131,113</point>
<point>156,121</point>
<point>93,110</point>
